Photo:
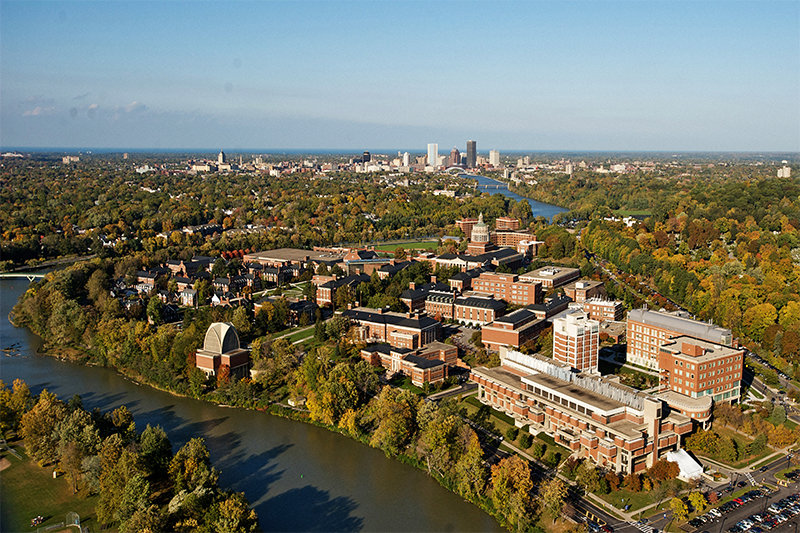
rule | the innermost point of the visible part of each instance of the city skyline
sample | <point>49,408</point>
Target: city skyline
<point>539,76</point>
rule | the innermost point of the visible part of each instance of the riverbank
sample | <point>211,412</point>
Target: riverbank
<point>494,186</point>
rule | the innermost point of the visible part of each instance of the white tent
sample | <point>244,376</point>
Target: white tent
<point>690,469</point>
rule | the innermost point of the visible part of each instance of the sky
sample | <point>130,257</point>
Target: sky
<point>375,75</point>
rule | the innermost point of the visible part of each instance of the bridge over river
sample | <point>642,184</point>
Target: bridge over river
<point>28,276</point>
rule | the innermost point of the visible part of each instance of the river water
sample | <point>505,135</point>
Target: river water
<point>540,209</point>
<point>298,477</point>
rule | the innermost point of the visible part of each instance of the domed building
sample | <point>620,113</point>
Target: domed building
<point>480,241</point>
<point>221,347</point>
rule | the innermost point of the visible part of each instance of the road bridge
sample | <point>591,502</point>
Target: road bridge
<point>28,276</point>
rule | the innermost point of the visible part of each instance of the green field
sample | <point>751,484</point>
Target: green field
<point>29,490</point>
<point>416,245</point>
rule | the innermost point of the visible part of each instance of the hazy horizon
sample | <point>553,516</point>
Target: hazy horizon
<point>662,76</point>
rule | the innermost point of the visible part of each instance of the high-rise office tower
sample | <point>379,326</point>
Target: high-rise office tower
<point>472,154</point>
<point>433,154</point>
<point>221,157</point>
<point>494,158</point>
<point>366,158</point>
<point>455,157</point>
<point>406,159</point>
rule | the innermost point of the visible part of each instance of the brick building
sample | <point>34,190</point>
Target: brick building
<point>698,368</point>
<point>551,276</point>
<point>604,310</point>
<point>221,347</point>
<point>466,225</point>
<point>648,330</point>
<point>428,364</point>
<point>583,289</point>
<point>401,330</point>
<point>507,223</point>
<point>576,341</point>
<point>508,287</point>
<point>477,310</point>
<point>617,427</point>
<point>513,329</point>
<point>326,287</point>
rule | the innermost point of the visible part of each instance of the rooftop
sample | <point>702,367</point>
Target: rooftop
<point>685,326</point>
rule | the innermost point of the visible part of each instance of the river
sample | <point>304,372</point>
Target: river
<point>298,477</point>
<point>492,186</point>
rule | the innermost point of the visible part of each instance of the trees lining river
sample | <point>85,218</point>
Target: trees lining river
<point>296,476</point>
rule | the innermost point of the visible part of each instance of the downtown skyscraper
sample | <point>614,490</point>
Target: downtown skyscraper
<point>472,154</point>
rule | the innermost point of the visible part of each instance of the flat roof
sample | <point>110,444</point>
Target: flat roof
<point>571,390</point>
<point>711,350</point>
<point>293,254</point>
<point>682,325</point>
<point>550,272</point>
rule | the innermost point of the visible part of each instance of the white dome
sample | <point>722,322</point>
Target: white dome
<point>221,338</point>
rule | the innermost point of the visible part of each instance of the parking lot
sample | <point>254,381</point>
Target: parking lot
<point>754,512</point>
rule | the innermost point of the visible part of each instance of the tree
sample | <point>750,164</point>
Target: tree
<point>698,501</point>
<point>241,321</point>
<point>135,495</point>
<point>470,471</point>
<point>155,448</point>
<point>235,515</point>
<point>38,428</point>
<point>663,470</point>
<point>679,509</point>
<point>144,520</point>
<point>552,497</point>
<point>395,413</point>
<point>155,310</point>
<point>511,489</point>
<point>588,477</point>
<point>191,468</point>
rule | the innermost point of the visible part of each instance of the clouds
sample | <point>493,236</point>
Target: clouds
<point>38,111</point>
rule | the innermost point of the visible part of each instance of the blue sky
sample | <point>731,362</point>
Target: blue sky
<point>570,75</point>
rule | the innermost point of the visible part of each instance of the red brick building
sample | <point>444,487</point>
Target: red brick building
<point>604,310</point>
<point>221,347</point>
<point>508,287</point>
<point>401,330</point>
<point>507,223</point>
<point>513,329</point>
<point>576,341</point>
<point>617,427</point>
<point>583,289</point>
<point>551,276</point>
<point>428,364</point>
<point>698,368</point>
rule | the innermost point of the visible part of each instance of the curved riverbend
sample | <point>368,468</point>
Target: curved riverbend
<point>539,209</point>
<point>297,476</point>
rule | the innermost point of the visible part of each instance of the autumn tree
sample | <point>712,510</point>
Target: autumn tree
<point>679,509</point>
<point>511,491</point>
<point>552,497</point>
<point>38,428</point>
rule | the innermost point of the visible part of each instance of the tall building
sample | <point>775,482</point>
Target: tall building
<point>366,158</point>
<point>648,330</point>
<point>494,158</point>
<point>455,157</point>
<point>406,159</point>
<point>472,154</point>
<point>221,159</point>
<point>785,171</point>
<point>698,368</point>
<point>433,154</point>
<point>466,225</point>
<point>576,341</point>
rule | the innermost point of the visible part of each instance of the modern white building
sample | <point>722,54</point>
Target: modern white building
<point>494,158</point>
<point>785,171</point>
<point>406,159</point>
<point>433,154</point>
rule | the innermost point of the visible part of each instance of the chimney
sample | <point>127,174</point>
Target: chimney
<point>433,279</point>
<point>409,314</point>
<point>412,285</point>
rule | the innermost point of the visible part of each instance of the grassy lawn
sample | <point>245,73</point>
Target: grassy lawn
<point>29,490</point>
<point>742,442</point>
<point>301,335</point>
<point>416,245</point>
<point>621,497</point>
<point>782,473</point>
